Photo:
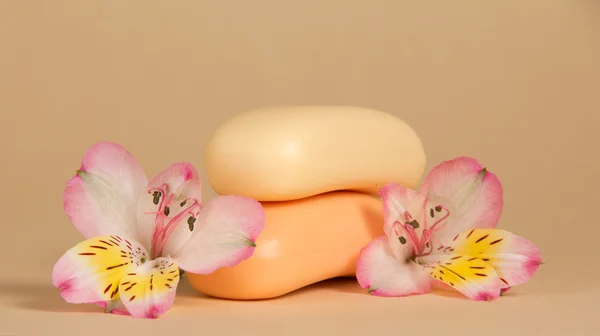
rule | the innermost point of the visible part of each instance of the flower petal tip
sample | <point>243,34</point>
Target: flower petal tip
<point>113,308</point>
<point>504,290</point>
<point>64,290</point>
<point>64,286</point>
<point>533,265</point>
<point>116,311</point>
<point>387,189</point>
<point>153,312</point>
<point>63,282</point>
<point>486,296</point>
<point>190,172</point>
<point>375,292</point>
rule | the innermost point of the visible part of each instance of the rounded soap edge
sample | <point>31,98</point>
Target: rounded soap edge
<point>415,176</point>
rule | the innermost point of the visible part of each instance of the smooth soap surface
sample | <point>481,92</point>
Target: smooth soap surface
<point>304,241</point>
<point>286,153</point>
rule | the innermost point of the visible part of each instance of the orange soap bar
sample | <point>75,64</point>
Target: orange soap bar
<point>304,241</point>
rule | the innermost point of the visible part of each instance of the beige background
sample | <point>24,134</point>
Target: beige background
<point>513,83</point>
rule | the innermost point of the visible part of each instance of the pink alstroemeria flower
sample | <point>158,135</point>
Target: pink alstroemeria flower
<point>445,233</point>
<point>123,216</point>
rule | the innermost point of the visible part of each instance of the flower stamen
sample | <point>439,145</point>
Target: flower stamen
<point>425,244</point>
<point>439,208</point>
<point>431,240</point>
<point>410,226</point>
<point>410,232</point>
<point>161,197</point>
<point>161,233</point>
<point>158,195</point>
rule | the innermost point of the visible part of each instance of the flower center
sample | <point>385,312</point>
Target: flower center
<point>167,220</point>
<point>424,244</point>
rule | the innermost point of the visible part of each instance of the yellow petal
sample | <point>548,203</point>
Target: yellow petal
<point>469,275</point>
<point>90,272</point>
<point>149,290</point>
<point>514,258</point>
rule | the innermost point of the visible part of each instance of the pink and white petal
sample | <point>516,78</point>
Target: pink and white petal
<point>402,241</point>
<point>90,272</point>
<point>397,200</point>
<point>224,234</point>
<point>149,291</point>
<point>514,258</point>
<point>471,193</point>
<point>172,194</point>
<point>183,228</point>
<point>382,274</point>
<point>182,179</point>
<point>471,276</point>
<point>102,197</point>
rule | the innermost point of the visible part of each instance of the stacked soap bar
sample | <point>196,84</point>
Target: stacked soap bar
<point>316,171</point>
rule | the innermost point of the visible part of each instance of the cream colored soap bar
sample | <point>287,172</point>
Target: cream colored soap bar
<point>303,242</point>
<point>286,153</point>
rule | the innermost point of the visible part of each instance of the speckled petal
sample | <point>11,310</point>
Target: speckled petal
<point>90,272</point>
<point>149,290</point>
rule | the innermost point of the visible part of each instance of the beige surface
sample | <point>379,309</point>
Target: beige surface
<point>292,152</point>
<point>513,83</point>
